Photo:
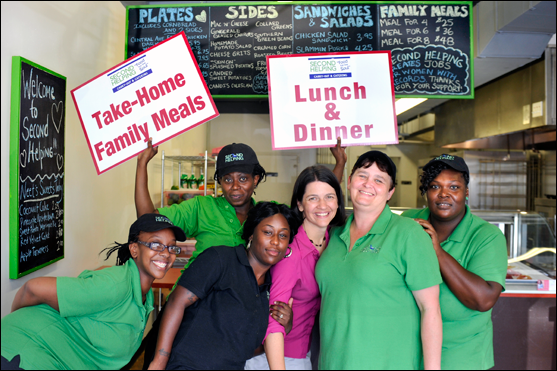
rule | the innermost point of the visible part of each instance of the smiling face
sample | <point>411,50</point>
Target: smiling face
<point>446,195</point>
<point>238,187</point>
<point>369,188</point>
<point>153,264</point>
<point>319,204</point>
<point>270,240</point>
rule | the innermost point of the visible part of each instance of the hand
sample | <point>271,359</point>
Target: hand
<point>339,153</point>
<point>428,228</point>
<point>148,153</point>
<point>279,309</point>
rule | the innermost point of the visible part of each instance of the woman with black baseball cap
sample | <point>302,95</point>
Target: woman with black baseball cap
<point>94,321</point>
<point>379,282</point>
<point>472,256</point>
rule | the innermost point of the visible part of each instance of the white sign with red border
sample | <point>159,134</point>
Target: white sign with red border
<point>315,98</point>
<point>159,93</point>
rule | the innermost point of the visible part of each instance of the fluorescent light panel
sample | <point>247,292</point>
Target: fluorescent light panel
<point>404,104</point>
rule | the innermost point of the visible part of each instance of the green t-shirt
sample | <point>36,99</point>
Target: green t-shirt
<point>480,248</point>
<point>100,324</point>
<point>211,221</point>
<point>369,317</point>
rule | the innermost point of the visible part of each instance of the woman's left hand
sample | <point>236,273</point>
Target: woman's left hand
<point>282,313</point>
<point>428,228</point>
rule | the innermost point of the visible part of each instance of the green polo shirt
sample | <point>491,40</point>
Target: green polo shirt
<point>100,324</point>
<point>369,317</point>
<point>480,248</point>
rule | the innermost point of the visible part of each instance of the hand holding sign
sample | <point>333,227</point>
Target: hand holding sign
<point>148,153</point>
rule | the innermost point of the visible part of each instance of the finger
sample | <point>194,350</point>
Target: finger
<point>291,300</point>
<point>338,142</point>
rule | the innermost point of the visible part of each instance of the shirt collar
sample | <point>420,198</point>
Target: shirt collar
<point>379,226</point>
<point>136,287</point>
<point>243,259</point>
<point>463,227</point>
<point>305,244</point>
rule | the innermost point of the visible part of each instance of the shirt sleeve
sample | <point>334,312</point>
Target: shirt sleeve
<point>490,257</point>
<point>91,292</point>
<point>183,215</point>
<point>284,277</point>
<point>422,266</point>
<point>203,274</point>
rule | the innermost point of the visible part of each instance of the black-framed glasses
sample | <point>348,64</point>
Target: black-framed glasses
<point>157,246</point>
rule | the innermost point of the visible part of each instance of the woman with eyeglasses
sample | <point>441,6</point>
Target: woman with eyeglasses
<point>218,313</point>
<point>94,321</point>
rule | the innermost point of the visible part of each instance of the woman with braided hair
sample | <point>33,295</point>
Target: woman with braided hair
<point>95,321</point>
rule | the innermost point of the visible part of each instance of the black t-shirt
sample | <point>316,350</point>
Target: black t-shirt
<point>229,321</point>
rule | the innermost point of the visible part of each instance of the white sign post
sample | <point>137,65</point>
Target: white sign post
<point>159,93</point>
<point>315,98</point>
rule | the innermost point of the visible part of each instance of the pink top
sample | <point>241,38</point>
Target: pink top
<point>294,277</point>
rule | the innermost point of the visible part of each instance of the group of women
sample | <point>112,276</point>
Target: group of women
<point>393,292</point>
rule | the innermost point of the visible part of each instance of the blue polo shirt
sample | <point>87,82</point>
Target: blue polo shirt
<point>228,322</point>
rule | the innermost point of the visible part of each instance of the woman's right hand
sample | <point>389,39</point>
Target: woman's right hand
<point>428,228</point>
<point>148,153</point>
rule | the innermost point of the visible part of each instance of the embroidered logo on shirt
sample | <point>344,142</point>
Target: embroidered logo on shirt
<point>234,157</point>
<point>371,248</point>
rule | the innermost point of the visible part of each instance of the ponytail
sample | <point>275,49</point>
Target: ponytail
<point>123,252</point>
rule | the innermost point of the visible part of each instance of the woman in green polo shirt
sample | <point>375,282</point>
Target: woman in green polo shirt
<point>379,282</point>
<point>472,256</point>
<point>95,321</point>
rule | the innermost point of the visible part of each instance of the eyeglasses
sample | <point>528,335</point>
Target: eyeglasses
<point>157,246</point>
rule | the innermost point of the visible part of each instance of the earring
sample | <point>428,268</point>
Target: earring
<point>466,198</point>
<point>290,253</point>
<point>249,245</point>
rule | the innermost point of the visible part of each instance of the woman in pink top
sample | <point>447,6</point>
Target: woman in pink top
<point>317,199</point>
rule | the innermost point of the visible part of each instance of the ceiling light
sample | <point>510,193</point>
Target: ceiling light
<point>404,104</point>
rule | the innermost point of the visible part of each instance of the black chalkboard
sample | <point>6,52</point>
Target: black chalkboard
<point>430,41</point>
<point>36,167</point>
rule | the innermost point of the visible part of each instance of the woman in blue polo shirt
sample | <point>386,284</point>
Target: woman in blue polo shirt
<point>472,257</point>
<point>94,321</point>
<point>218,314</point>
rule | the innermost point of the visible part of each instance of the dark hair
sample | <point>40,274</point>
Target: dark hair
<point>432,171</point>
<point>375,157</point>
<point>317,173</point>
<point>263,210</point>
<point>123,250</point>
<point>257,170</point>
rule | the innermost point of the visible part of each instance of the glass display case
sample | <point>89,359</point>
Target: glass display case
<point>524,231</point>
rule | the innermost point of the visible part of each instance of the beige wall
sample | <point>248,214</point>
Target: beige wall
<point>78,40</point>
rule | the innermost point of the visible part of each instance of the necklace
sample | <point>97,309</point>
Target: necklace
<point>318,245</point>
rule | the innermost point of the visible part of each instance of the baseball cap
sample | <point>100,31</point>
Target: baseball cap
<point>236,157</point>
<point>454,162</point>
<point>373,156</point>
<point>152,223</point>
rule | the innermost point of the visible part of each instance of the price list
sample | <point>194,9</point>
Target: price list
<point>241,39</point>
<point>428,52</point>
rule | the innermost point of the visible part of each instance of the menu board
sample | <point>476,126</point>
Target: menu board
<point>430,41</point>
<point>36,167</point>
